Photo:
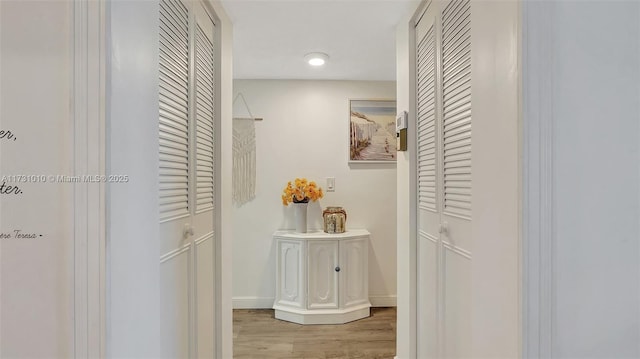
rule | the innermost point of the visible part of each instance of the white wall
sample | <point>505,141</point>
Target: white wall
<point>37,274</point>
<point>597,114</point>
<point>132,149</point>
<point>305,134</point>
<point>593,75</point>
<point>495,109</point>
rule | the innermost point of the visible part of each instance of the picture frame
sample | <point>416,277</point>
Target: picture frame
<point>372,131</point>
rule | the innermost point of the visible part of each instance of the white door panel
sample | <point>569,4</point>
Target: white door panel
<point>457,304</point>
<point>174,303</point>
<point>426,291</point>
<point>323,277</point>
<point>205,292</point>
<point>354,256</point>
<point>290,272</point>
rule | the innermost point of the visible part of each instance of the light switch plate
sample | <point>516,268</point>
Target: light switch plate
<point>331,184</point>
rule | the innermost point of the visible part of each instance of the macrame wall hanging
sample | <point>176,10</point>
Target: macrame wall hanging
<point>244,155</point>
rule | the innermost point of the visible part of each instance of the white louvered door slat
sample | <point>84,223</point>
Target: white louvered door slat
<point>204,121</point>
<point>456,102</point>
<point>174,110</point>
<point>427,121</point>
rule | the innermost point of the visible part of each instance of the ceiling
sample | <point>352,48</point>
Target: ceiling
<point>271,38</point>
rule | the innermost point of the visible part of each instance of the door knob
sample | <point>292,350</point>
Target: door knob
<point>444,227</point>
<point>337,269</point>
<point>187,230</point>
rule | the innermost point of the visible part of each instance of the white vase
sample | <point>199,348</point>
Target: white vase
<point>301,216</point>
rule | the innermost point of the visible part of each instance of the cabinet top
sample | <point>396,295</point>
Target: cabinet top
<point>352,233</point>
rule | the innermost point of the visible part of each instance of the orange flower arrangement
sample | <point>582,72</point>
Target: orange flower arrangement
<point>301,191</point>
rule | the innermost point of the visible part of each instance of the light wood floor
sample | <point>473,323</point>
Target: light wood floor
<point>257,334</point>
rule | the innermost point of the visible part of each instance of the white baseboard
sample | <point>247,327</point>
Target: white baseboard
<point>267,302</point>
<point>383,300</point>
<point>253,302</point>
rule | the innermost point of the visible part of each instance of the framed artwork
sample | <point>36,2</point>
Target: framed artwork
<point>372,127</point>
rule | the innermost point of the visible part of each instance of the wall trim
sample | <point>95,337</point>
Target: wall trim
<point>539,233</point>
<point>383,300</point>
<point>88,95</point>
<point>267,302</point>
<point>412,340</point>
<point>253,302</point>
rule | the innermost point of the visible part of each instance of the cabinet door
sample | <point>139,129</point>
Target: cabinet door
<point>323,276</point>
<point>290,276</point>
<point>354,281</point>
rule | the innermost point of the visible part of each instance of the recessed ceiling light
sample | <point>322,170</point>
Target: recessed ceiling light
<point>316,58</point>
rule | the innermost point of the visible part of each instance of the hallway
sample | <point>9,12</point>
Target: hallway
<point>508,228</point>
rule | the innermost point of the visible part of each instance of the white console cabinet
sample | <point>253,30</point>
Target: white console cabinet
<point>322,278</point>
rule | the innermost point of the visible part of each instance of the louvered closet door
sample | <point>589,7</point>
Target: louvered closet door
<point>427,191</point>
<point>444,179</point>
<point>187,171</point>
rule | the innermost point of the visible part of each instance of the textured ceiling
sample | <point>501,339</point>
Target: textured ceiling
<point>272,37</point>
